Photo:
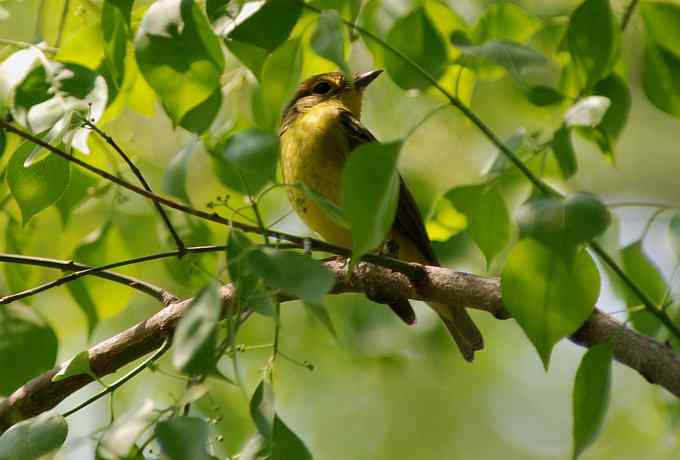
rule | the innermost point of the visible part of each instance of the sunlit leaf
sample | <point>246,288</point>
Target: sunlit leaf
<point>183,438</point>
<point>590,398</point>
<point>486,214</point>
<point>279,77</point>
<point>262,409</point>
<point>286,445</point>
<point>564,152</point>
<point>564,222</point>
<point>38,186</point>
<point>328,40</point>
<point>179,56</point>
<point>594,38</point>
<point>293,273</point>
<point>416,37</point>
<point>194,342</point>
<point>504,21</point>
<point>28,346</point>
<point>589,111</point>
<point>646,275</point>
<point>79,364</point>
<point>549,294</point>
<point>445,221</point>
<point>247,161</point>
<point>34,438</point>
<point>270,25</point>
<point>370,193</point>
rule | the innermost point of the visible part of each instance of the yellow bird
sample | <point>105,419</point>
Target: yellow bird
<point>319,129</point>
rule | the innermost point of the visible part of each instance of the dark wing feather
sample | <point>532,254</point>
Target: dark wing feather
<point>409,220</point>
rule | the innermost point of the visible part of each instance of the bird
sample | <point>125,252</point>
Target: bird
<point>320,127</point>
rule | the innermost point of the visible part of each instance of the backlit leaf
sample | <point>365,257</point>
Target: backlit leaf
<point>549,294</point>
<point>370,193</point>
<point>79,364</point>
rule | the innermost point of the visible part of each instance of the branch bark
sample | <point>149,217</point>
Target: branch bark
<point>654,361</point>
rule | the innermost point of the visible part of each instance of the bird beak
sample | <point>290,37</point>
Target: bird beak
<point>361,81</point>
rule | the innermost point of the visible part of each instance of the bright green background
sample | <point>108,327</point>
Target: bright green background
<point>383,390</point>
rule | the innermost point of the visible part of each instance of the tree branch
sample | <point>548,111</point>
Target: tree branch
<point>656,362</point>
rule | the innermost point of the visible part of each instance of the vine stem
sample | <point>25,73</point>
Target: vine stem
<point>495,140</point>
<point>118,383</point>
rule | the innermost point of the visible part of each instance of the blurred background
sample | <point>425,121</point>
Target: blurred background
<point>379,390</point>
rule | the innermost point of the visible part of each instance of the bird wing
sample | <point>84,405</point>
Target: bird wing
<point>409,221</point>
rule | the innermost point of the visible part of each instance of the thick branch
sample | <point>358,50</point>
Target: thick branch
<point>656,362</point>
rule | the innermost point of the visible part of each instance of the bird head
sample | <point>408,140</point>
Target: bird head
<point>332,86</point>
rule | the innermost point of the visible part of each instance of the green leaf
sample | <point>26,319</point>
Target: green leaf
<point>270,25</point>
<point>648,278</point>
<point>564,223</point>
<point>295,274</point>
<point>183,438</point>
<point>247,161</point>
<point>328,40</point>
<point>115,28</point>
<point>333,211</point>
<point>194,340</point>
<point>504,21</point>
<point>369,19</point>
<point>38,186</point>
<point>175,178</point>
<point>588,111</point>
<point>278,80</point>
<point>593,37</point>
<point>28,346</point>
<point>542,96</point>
<point>81,294</point>
<point>18,240</point>
<point>590,398</point>
<point>75,194</point>
<point>416,37</point>
<point>564,152</point>
<point>34,438</point>
<point>185,271</point>
<point>286,445</point>
<point>320,313</point>
<point>3,141</point>
<point>661,78</point>
<point>370,186</point>
<point>616,90</point>
<point>549,294</point>
<point>662,24</point>
<point>119,439</point>
<point>79,364</point>
<point>674,234</point>
<point>250,55</point>
<point>487,217</point>
<point>262,409</point>
<point>514,57</point>
<point>179,56</point>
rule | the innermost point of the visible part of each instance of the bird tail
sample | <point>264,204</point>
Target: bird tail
<point>463,330</point>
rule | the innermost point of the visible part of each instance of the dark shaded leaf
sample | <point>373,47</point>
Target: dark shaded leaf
<point>262,409</point>
<point>544,95</point>
<point>661,78</point>
<point>564,152</point>
<point>28,346</point>
<point>616,90</point>
<point>286,445</point>
<point>270,25</point>
<point>183,438</point>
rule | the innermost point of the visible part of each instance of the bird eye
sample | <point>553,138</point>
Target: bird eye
<point>321,88</point>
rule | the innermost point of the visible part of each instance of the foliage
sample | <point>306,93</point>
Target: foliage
<point>209,80</point>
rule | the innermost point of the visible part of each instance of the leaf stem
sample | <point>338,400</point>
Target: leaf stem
<point>627,14</point>
<point>138,174</point>
<point>118,383</point>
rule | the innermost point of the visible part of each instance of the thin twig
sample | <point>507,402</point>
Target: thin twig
<point>62,24</point>
<point>138,174</point>
<point>156,292</point>
<point>627,14</point>
<point>85,270</point>
<point>115,385</point>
